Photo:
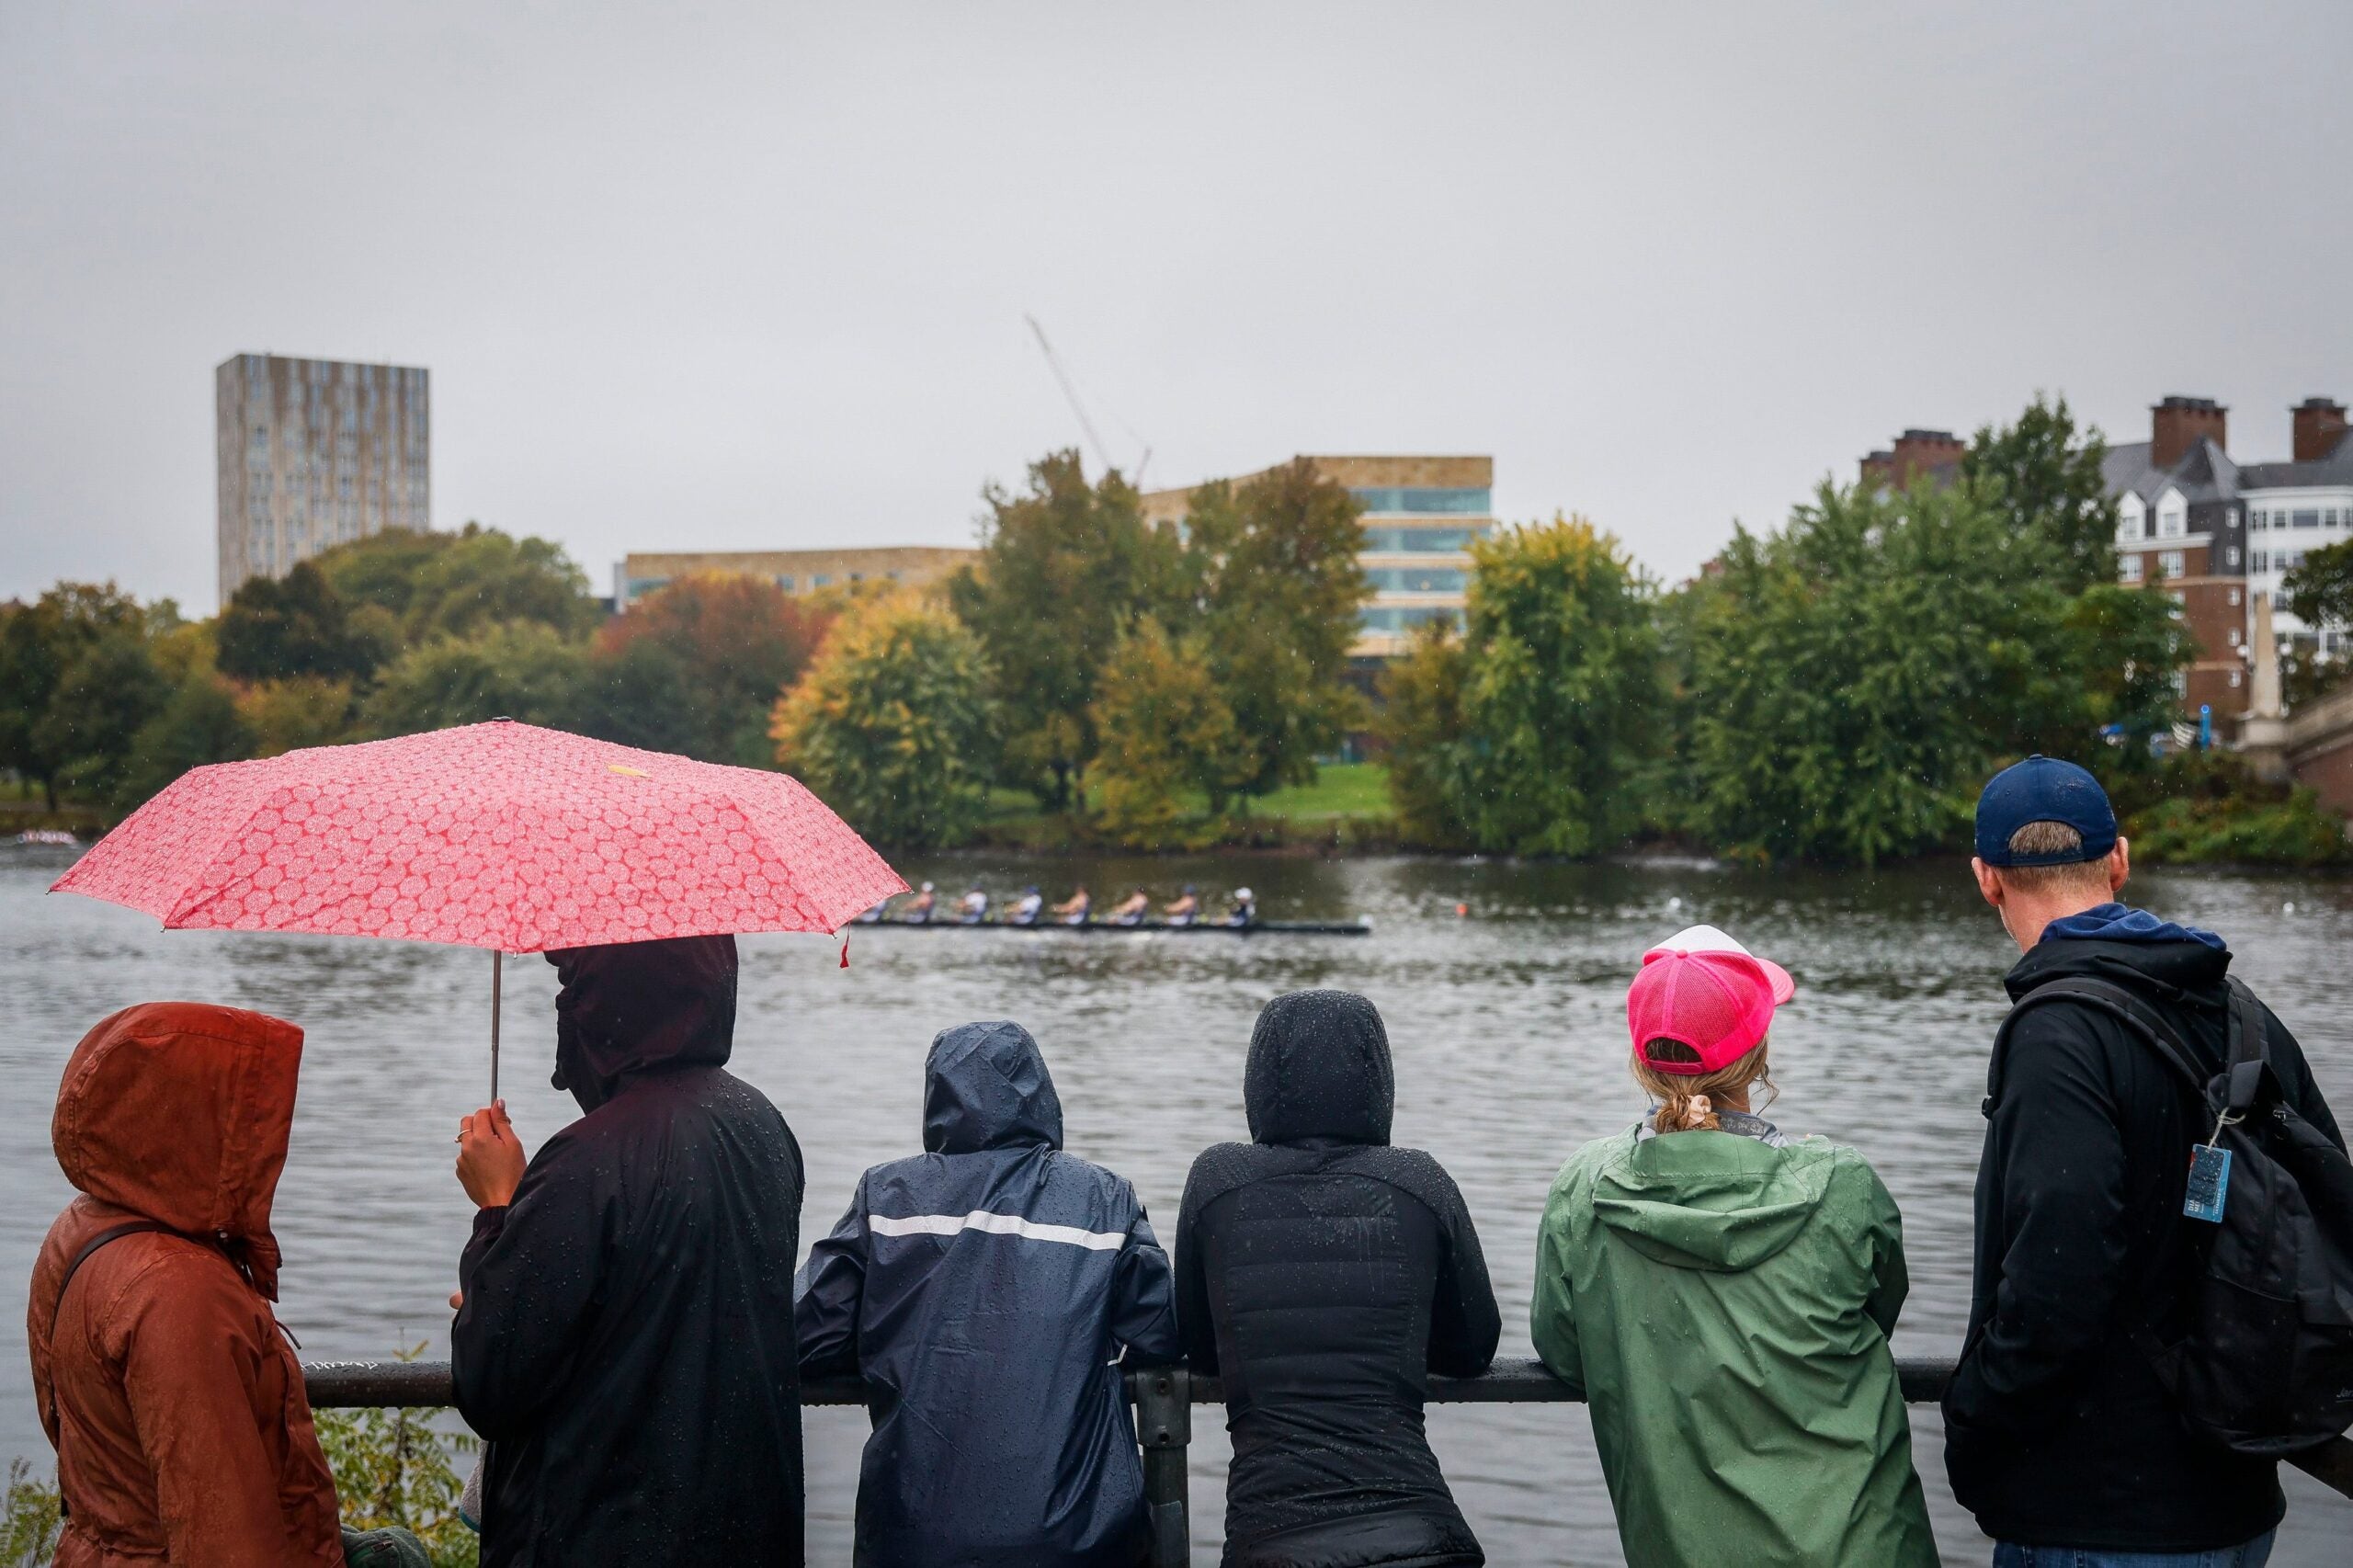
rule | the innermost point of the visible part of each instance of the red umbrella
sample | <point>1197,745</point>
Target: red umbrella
<point>499,835</point>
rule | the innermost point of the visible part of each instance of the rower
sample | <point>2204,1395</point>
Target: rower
<point>1075,909</point>
<point>919,908</point>
<point>1133,909</point>
<point>1031,903</point>
<point>1244,910</point>
<point>975,907</point>
<point>1187,909</point>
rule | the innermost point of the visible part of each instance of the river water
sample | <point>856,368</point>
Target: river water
<point>1508,1027</point>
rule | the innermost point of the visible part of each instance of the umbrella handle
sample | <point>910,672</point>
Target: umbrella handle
<point>497,970</point>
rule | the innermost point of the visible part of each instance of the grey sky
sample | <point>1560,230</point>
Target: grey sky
<point>732,276</point>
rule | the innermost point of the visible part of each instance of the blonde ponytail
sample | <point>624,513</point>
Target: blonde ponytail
<point>1687,1100</point>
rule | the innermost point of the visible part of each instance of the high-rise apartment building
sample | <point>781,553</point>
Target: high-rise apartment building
<point>312,453</point>
<point>1420,516</point>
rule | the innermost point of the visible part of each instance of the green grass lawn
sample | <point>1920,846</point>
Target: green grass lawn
<point>1341,790</point>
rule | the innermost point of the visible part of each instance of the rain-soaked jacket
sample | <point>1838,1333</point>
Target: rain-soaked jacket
<point>176,1408</point>
<point>1323,1275</point>
<point>1725,1306</point>
<point>626,1342</point>
<point>984,1289</point>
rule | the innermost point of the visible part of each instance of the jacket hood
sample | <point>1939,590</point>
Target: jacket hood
<point>2123,922</point>
<point>179,1112</point>
<point>636,1006</point>
<point>1319,1069</point>
<point>1711,1201</point>
<point>2167,966</point>
<point>986,1087</point>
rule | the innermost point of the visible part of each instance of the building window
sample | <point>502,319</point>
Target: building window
<point>2234,635</point>
<point>1417,579</point>
<point>1413,499</point>
<point>1387,618</point>
<point>2235,596</point>
<point>2128,520</point>
<point>2169,522</point>
<point>2235,681</point>
<point>2230,556</point>
<point>2261,563</point>
<point>820,580</point>
<point>785,581</point>
<point>2169,562</point>
<point>2130,571</point>
<point>2307,518</point>
<point>1416,542</point>
<point>2256,522</point>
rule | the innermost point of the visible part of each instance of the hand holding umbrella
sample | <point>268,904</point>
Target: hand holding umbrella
<point>490,1157</point>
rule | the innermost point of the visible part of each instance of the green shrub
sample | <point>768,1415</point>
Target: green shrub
<point>30,1519</point>
<point>2297,831</point>
<point>393,1467</point>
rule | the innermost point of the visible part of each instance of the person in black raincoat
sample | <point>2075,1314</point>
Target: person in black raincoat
<point>625,1337</point>
<point>1323,1275</point>
<point>984,1289</point>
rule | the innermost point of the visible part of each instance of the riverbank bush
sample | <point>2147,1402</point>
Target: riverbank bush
<point>30,1519</point>
<point>397,1468</point>
<point>2208,808</point>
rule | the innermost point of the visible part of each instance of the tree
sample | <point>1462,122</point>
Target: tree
<point>199,725</point>
<point>1065,569</point>
<point>1855,678</point>
<point>1556,698</point>
<point>39,643</point>
<point>523,670</point>
<point>645,695</point>
<point>1278,592</point>
<point>2045,477</point>
<point>298,625</point>
<point>1166,729</point>
<point>94,718</point>
<point>407,588</point>
<point>2320,593</point>
<point>737,642</point>
<point>1421,720</point>
<point>301,710</point>
<point>892,724</point>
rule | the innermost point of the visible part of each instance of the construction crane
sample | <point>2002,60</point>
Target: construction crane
<point>1078,407</point>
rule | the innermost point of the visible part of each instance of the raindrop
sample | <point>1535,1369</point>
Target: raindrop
<point>2289,908</point>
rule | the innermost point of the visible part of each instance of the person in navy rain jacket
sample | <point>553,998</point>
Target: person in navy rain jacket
<point>985,1290</point>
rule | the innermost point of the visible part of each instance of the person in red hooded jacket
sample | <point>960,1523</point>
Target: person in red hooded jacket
<point>175,1405</point>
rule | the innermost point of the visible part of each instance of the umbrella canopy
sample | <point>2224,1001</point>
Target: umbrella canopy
<point>499,835</point>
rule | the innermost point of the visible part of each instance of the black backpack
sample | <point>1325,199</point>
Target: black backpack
<point>2265,1364</point>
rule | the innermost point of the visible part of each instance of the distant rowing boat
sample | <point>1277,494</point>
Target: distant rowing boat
<point>1359,927</point>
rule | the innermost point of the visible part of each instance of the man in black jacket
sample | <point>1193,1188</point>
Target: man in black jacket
<point>985,1291</point>
<point>1324,1275</point>
<point>625,1337</point>
<point>2059,1436</point>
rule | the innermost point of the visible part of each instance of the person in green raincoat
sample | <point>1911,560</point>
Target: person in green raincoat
<point>1722,1294</point>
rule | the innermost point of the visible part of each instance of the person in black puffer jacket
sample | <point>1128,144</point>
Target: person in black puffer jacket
<point>1324,1275</point>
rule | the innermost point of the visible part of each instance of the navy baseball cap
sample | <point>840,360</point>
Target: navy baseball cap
<point>2043,789</point>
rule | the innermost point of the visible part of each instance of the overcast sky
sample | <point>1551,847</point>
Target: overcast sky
<point>743,277</point>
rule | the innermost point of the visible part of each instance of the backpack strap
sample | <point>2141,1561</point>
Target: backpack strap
<point>2144,1019</point>
<point>110,1235</point>
<point>2250,1047</point>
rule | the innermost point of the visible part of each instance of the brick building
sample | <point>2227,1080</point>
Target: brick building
<point>2181,528</point>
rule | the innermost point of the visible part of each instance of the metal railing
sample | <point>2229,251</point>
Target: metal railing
<point>1164,1399</point>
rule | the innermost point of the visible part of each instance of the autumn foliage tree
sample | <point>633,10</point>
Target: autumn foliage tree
<point>892,725</point>
<point>738,642</point>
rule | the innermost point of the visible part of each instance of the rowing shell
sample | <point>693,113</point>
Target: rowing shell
<point>1104,928</point>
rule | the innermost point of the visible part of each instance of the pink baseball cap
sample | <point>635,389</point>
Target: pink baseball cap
<point>1702,989</point>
